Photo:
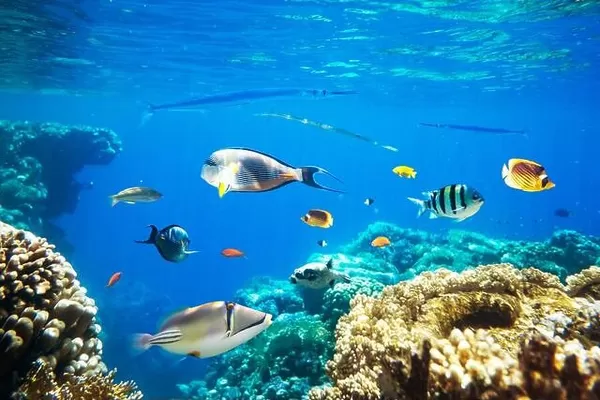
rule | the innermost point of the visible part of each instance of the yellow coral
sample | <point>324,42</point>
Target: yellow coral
<point>40,383</point>
<point>458,333</point>
<point>585,283</point>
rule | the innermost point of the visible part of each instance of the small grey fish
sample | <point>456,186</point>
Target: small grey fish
<point>456,201</point>
<point>239,169</point>
<point>316,275</point>
<point>136,194</point>
<point>207,330</point>
<point>172,242</point>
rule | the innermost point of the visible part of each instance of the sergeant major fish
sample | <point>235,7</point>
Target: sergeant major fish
<point>207,330</point>
<point>171,242</point>
<point>239,169</point>
<point>317,275</point>
<point>136,194</point>
<point>456,201</point>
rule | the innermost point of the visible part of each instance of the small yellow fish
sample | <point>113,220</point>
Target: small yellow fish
<point>134,195</point>
<point>405,172</point>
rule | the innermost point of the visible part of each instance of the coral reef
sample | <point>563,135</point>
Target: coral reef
<point>45,315</point>
<point>490,332</point>
<point>512,297</point>
<point>35,187</point>
<point>412,252</point>
<point>282,363</point>
<point>40,384</point>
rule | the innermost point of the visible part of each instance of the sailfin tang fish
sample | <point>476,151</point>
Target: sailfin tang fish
<point>254,171</point>
<point>207,330</point>
<point>456,201</point>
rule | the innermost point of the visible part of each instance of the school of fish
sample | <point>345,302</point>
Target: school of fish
<point>213,328</point>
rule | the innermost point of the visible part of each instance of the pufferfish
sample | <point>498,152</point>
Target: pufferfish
<point>316,275</point>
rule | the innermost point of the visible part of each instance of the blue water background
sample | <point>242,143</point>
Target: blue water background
<point>560,111</point>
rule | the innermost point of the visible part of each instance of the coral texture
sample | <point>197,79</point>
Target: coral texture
<point>41,384</point>
<point>478,334</point>
<point>34,186</point>
<point>45,314</point>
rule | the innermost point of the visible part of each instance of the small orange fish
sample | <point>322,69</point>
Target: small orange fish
<point>318,218</point>
<point>114,279</point>
<point>232,253</point>
<point>380,241</point>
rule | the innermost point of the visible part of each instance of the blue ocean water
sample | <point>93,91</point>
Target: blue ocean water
<point>471,64</point>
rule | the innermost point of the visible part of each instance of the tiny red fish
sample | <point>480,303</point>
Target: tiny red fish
<point>232,253</point>
<point>114,279</point>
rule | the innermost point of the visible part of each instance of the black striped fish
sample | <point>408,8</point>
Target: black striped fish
<point>207,330</point>
<point>455,201</point>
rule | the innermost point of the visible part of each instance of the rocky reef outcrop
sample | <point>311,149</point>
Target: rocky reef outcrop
<point>39,162</point>
<point>493,332</point>
<point>555,295</point>
<point>47,321</point>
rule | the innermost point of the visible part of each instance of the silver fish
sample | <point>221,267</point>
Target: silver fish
<point>239,169</point>
<point>136,194</point>
<point>207,330</point>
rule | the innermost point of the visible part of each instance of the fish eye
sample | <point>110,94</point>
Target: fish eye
<point>476,195</point>
<point>545,182</point>
<point>210,162</point>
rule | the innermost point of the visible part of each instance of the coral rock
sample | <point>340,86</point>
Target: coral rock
<point>477,334</point>
<point>38,319</point>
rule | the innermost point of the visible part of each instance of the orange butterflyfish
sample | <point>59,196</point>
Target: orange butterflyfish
<point>232,253</point>
<point>380,241</point>
<point>318,218</point>
<point>114,279</point>
<point>526,175</point>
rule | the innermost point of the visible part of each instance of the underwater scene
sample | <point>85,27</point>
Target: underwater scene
<point>299,200</point>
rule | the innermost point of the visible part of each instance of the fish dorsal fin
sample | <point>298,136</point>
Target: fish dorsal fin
<point>263,154</point>
<point>514,161</point>
<point>329,263</point>
<point>166,228</point>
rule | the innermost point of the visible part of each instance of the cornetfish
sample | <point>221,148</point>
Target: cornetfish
<point>472,128</point>
<point>246,96</point>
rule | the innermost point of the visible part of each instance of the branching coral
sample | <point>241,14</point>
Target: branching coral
<point>45,314</point>
<point>41,384</point>
<point>463,334</point>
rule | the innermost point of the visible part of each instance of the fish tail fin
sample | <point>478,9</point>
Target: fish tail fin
<point>113,201</point>
<point>308,177</point>
<point>147,114</point>
<point>505,171</point>
<point>420,203</point>
<point>141,342</point>
<point>152,238</point>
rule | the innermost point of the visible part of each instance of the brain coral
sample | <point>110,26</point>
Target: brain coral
<point>45,315</point>
<point>491,332</point>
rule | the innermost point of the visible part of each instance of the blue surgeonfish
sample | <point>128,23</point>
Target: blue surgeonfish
<point>172,242</point>
<point>207,330</point>
<point>456,201</point>
<point>239,169</point>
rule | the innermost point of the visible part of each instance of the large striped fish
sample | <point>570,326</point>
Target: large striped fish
<point>455,201</point>
<point>239,169</point>
<point>207,330</point>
